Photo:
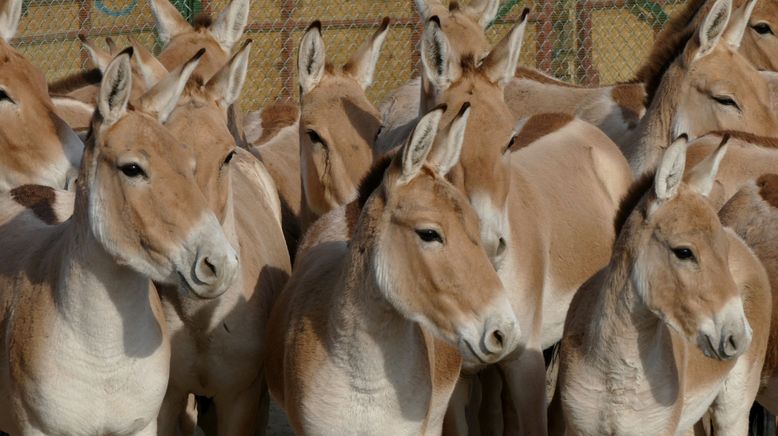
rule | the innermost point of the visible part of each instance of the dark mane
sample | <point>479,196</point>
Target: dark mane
<point>75,81</point>
<point>202,21</point>
<point>373,179</point>
<point>763,141</point>
<point>631,199</point>
<point>469,64</point>
<point>665,51</point>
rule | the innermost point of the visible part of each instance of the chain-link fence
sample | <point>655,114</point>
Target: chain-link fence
<point>588,42</point>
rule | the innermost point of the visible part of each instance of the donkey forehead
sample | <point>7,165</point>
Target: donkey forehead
<point>336,103</point>
<point>429,199</point>
<point>465,34</point>
<point>17,71</point>
<point>139,132</point>
<point>728,67</point>
<point>182,47</point>
<point>690,216</point>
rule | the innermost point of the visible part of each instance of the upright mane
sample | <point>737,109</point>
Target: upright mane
<point>629,202</point>
<point>75,81</point>
<point>202,21</point>
<point>668,45</point>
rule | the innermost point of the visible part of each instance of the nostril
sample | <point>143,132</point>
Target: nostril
<point>498,337</point>
<point>501,246</point>
<point>210,266</point>
<point>732,343</point>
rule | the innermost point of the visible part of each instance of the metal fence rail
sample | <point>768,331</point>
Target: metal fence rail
<point>588,42</point>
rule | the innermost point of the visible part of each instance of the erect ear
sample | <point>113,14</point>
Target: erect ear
<point>712,28</point>
<point>228,27</point>
<point>115,88</point>
<point>311,58</point>
<point>446,153</point>
<point>362,64</point>
<point>738,23</point>
<point>10,14</point>
<point>500,65</point>
<point>100,58</point>
<point>226,85</point>
<point>111,45</point>
<point>169,21</point>
<point>669,174</point>
<point>415,151</point>
<point>702,177</point>
<point>441,64</point>
<point>163,97</point>
<point>483,11</point>
<point>150,68</point>
<point>424,8</point>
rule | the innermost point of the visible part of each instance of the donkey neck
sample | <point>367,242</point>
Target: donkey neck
<point>104,302</point>
<point>377,346</point>
<point>655,131</point>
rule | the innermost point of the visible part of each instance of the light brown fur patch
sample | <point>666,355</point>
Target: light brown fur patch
<point>277,116</point>
<point>630,98</point>
<point>768,188</point>
<point>539,126</point>
<point>39,199</point>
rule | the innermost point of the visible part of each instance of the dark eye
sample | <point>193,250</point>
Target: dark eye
<point>684,253</point>
<point>4,96</point>
<point>314,137</point>
<point>228,158</point>
<point>132,170</point>
<point>429,235</point>
<point>510,145</point>
<point>762,28</point>
<point>726,101</point>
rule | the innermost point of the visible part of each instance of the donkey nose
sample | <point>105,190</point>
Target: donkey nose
<point>215,273</point>
<point>733,344</point>
<point>498,338</point>
<point>205,271</point>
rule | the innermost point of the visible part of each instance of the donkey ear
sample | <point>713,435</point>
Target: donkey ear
<point>712,28</point>
<point>100,58</point>
<point>441,64</point>
<point>424,8</point>
<point>228,27</point>
<point>702,177</point>
<point>169,21</point>
<point>227,84</point>
<point>500,65</point>
<point>362,64</point>
<point>150,68</point>
<point>738,23</point>
<point>111,45</point>
<point>311,58</point>
<point>415,151</point>
<point>163,97</point>
<point>446,154</point>
<point>669,174</point>
<point>115,88</point>
<point>10,14</point>
<point>484,11</point>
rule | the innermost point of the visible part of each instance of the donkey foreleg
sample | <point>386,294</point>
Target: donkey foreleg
<point>525,378</point>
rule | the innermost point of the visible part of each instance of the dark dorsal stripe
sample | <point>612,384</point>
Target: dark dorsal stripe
<point>538,126</point>
<point>537,76</point>
<point>629,202</point>
<point>763,141</point>
<point>39,199</point>
<point>768,188</point>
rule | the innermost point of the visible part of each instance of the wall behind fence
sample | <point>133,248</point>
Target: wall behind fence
<point>588,42</point>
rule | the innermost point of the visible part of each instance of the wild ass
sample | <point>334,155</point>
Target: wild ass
<point>753,214</point>
<point>677,323</point>
<point>338,125</point>
<point>36,145</point>
<point>221,356</point>
<point>333,148</point>
<point>413,281</point>
<point>700,83</point>
<point>532,224</point>
<point>85,348</point>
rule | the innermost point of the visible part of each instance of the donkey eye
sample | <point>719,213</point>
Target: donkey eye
<point>429,235</point>
<point>726,101</point>
<point>229,158</point>
<point>684,253</point>
<point>4,96</point>
<point>315,138</point>
<point>762,28</point>
<point>132,170</point>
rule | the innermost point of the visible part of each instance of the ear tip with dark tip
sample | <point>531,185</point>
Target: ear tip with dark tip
<point>385,23</point>
<point>82,38</point>
<point>524,14</point>
<point>434,19</point>
<point>725,139</point>
<point>682,136</point>
<point>464,108</point>
<point>199,54</point>
<point>315,25</point>
<point>247,43</point>
<point>441,107</point>
<point>128,51</point>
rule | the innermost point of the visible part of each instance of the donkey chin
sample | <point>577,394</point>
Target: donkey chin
<point>727,334</point>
